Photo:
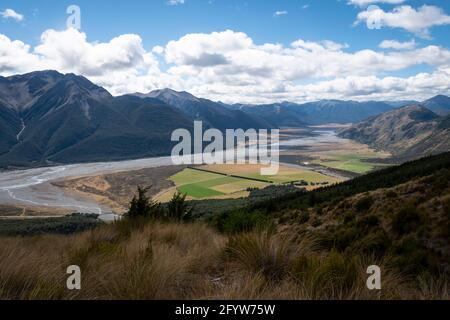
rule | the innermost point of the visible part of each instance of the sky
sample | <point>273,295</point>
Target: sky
<point>236,51</point>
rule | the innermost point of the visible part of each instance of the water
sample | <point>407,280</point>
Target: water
<point>34,186</point>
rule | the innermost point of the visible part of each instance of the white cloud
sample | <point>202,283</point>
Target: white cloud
<point>229,66</point>
<point>70,50</point>
<point>175,2</point>
<point>236,55</point>
<point>419,87</point>
<point>416,21</point>
<point>362,3</point>
<point>397,45</point>
<point>11,14</point>
<point>280,13</point>
<point>15,57</point>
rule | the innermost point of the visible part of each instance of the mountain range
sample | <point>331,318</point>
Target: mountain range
<point>50,118</point>
<point>213,114</point>
<point>287,114</point>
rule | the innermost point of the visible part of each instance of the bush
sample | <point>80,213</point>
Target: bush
<point>317,222</point>
<point>364,204</point>
<point>349,217</point>
<point>411,257</point>
<point>178,209</point>
<point>391,194</point>
<point>262,253</point>
<point>330,275</point>
<point>375,243</point>
<point>303,217</point>
<point>143,207</point>
<point>337,270</point>
<point>241,221</point>
<point>368,222</point>
<point>341,237</point>
<point>407,220</point>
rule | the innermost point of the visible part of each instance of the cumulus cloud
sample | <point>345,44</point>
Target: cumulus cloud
<point>11,14</point>
<point>302,59</point>
<point>15,57</point>
<point>417,21</point>
<point>70,50</point>
<point>420,87</point>
<point>398,45</point>
<point>231,67</point>
<point>116,64</point>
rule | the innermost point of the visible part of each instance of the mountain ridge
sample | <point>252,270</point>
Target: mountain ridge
<point>408,132</point>
<point>213,114</point>
<point>439,104</point>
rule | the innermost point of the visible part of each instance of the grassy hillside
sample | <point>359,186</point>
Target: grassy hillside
<point>192,261</point>
<point>408,224</point>
<point>400,214</point>
<point>408,133</point>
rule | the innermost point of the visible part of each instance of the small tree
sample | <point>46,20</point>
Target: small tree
<point>178,209</point>
<point>143,206</point>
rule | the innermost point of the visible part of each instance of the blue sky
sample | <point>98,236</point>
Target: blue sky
<point>159,23</point>
<point>312,21</point>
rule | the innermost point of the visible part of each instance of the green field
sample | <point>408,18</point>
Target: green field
<point>287,176</point>
<point>356,163</point>
<point>199,185</point>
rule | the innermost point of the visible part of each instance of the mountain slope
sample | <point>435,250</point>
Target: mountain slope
<point>10,126</point>
<point>409,132</point>
<point>439,105</point>
<point>21,91</point>
<point>74,120</point>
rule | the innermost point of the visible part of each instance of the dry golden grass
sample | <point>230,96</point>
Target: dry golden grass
<point>192,261</point>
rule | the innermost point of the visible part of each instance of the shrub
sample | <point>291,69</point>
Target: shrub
<point>178,209</point>
<point>410,256</point>
<point>391,194</point>
<point>317,222</point>
<point>303,217</point>
<point>349,217</point>
<point>143,206</point>
<point>368,222</point>
<point>263,253</point>
<point>326,276</point>
<point>364,204</point>
<point>341,238</point>
<point>407,220</point>
<point>375,243</point>
<point>337,270</point>
<point>241,221</point>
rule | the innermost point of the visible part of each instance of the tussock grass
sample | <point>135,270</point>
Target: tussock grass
<point>265,253</point>
<point>156,260</point>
